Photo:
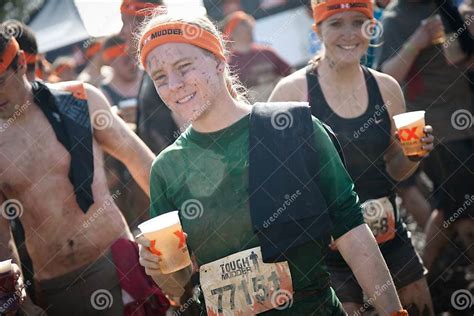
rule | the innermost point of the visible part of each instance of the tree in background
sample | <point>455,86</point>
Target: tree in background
<point>19,9</point>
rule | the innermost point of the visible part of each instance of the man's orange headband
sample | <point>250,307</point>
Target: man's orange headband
<point>324,10</point>
<point>93,49</point>
<point>11,50</point>
<point>62,68</point>
<point>133,7</point>
<point>113,52</point>
<point>235,19</point>
<point>30,58</point>
<point>179,32</point>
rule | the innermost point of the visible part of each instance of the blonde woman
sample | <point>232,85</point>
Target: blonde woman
<point>209,166</point>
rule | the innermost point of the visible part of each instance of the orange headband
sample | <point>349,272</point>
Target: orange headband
<point>30,58</point>
<point>113,52</point>
<point>62,68</point>
<point>235,19</point>
<point>93,49</point>
<point>9,54</point>
<point>324,10</point>
<point>132,7</point>
<point>179,32</point>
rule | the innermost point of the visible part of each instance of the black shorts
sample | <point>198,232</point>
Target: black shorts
<point>404,263</point>
<point>451,168</point>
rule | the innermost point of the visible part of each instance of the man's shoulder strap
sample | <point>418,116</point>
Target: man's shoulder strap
<point>76,88</point>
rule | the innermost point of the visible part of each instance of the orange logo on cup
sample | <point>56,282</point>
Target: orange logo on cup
<point>182,239</point>
<point>153,248</point>
<point>410,134</point>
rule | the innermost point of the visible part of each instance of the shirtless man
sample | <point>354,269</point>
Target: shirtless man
<point>69,245</point>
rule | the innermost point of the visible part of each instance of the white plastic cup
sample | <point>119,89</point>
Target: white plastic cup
<point>410,127</point>
<point>5,266</point>
<point>167,240</point>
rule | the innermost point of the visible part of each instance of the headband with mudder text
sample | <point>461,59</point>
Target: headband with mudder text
<point>323,10</point>
<point>179,32</point>
<point>11,50</point>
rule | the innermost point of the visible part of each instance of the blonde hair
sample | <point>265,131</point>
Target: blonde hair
<point>234,86</point>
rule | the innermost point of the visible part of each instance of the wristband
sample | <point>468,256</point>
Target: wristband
<point>403,312</point>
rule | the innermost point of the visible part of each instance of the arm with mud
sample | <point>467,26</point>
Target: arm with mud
<point>118,140</point>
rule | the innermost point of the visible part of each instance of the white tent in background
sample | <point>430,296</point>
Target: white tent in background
<point>64,22</point>
<point>58,24</point>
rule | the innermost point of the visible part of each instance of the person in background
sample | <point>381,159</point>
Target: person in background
<point>122,91</point>
<point>374,33</point>
<point>420,51</point>
<point>64,69</point>
<point>258,67</point>
<point>122,88</point>
<point>92,72</point>
<point>157,126</point>
<point>27,41</point>
<point>43,68</point>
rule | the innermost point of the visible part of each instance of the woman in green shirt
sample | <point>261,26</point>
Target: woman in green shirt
<point>205,174</point>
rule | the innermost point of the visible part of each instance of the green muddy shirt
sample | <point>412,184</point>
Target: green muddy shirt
<point>205,176</point>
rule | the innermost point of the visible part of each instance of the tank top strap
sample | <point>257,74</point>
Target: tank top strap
<point>375,96</point>
<point>319,106</point>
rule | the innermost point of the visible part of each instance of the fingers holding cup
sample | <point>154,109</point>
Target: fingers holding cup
<point>428,140</point>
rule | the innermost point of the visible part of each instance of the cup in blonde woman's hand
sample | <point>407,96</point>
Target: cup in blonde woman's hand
<point>167,241</point>
<point>172,284</point>
<point>147,259</point>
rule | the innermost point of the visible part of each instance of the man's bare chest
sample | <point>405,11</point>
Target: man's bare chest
<point>30,152</point>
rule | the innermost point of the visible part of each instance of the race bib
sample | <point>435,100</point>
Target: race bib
<point>241,284</point>
<point>380,217</point>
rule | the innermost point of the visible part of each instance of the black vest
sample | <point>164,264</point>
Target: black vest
<point>283,162</point>
<point>67,111</point>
